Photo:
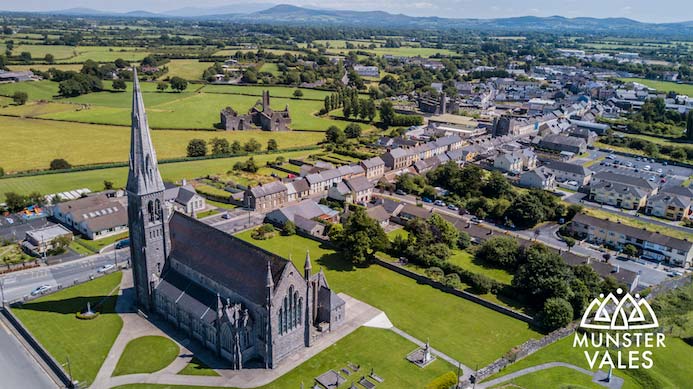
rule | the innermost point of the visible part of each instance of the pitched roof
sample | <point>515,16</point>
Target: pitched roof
<point>196,299</point>
<point>358,183</point>
<point>232,262</point>
<point>378,213</point>
<point>268,189</point>
<point>568,167</point>
<point>624,179</point>
<point>372,162</point>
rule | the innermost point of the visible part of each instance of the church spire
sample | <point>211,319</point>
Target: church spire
<point>143,176</point>
<point>307,267</point>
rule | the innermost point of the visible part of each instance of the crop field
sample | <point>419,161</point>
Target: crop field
<point>64,67</point>
<point>167,110</point>
<point>663,86</point>
<point>189,69</point>
<point>32,143</point>
<point>93,179</point>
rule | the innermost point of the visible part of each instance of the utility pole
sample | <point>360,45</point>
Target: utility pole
<point>2,290</point>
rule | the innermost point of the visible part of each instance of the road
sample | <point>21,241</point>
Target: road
<point>18,368</point>
<point>16,285</point>
<point>650,273</point>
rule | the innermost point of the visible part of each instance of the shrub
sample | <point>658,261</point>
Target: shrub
<point>83,316</point>
<point>265,231</point>
<point>434,273</point>
<point>59,164</point>
<point>445,381</point>
<point>197,148</point>
<point>452,280</point>
<point>20,98</point>
<point>289,228</point>
<point>557,313</point>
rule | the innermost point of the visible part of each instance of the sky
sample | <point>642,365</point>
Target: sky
<point>644,10</point>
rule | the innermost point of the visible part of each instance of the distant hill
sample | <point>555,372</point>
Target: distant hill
<point>290,14</point>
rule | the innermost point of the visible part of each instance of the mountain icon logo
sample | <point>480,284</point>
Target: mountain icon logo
<point>610,313</point>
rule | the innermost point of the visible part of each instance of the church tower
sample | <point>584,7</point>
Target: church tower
<point>149,240</point>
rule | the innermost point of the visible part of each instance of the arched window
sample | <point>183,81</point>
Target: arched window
<point>297,311</point>
<point>300,316</point>
<point>150,210</point>
<point>281,320</point>
<point>157,209</point>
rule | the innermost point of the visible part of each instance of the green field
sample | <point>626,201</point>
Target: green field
<point>32,143</point>
<point>462,329</point>
<point>189,69</point>
<point>93,179</point>
<point>270,67</point>
<point>382,350</point>
<point>146,355</point>
<point>51,319</point>
<point>275,91</point>
<point>170,110</point>
<point>74,67</point>
<point>82,53</point>
<point>663,86</point>
<point>227,52</point>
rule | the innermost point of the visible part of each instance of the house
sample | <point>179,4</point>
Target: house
<point>559,142</point>
<point>297,190</point>
<point>653,245</point>
<point>399,158</point>
<point>95,217</point>
<point>566,171</point>
<point>619,190</point>
<point>624,276</point>
<point>673,202</point>
<point>184,199</point>
<point>515,161</point>
<point>410,212</point>
<point>367,71</point>
<point>266,197</point>
<point>539,178</point>
<point>19,76</point>
<point>374,168</point>
<point>355,190</point>
<point>309,217</point>
<point>38,242</point>
<point>261,115</point>
<point>584,133</point>
<point>379,214</point>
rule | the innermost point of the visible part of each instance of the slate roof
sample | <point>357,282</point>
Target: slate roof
<point>618,187</point>
<point>624,179</point>
<point>637,233</point>
<point>268,189</point>
<point>358,184</point>
<point>563,140</point>
<point>197,300</point>
<point>179,194</point>
<point>568,167</point>
<point>372,162</point>
<point>378,213</point>
<point>233,263</point>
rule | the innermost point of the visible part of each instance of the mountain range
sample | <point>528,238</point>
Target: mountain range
<point>290,14</point>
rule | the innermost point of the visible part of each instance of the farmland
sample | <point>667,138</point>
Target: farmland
<point>663,86</point>
<point>71,54</point>
<point>189,69</point>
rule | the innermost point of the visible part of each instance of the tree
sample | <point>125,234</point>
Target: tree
<point>121,63</point>
<point>526,211</point>
<point>289,228</point>
<point>220,146</point>
<point>387,112</point>
<point>197,148</point>
<point>360,237</point>
<point>435,273</point>
<point>119,84</point>
<point>689,125</point>
<point>49,58</point>
<point>161,86</point>
<point>272,145</point>
<point>501,251</point>
<point>570,242</point>
<point>59,164</point>
<point>2,172</point>
<point>630,250</point>
<point>236,147</point>
<point>25,57</point>
<point>352,130</point>
<point>70,88</point>
<point>252,146</point>
<point>108,185</point>
<point>543,275</point>
<point>452,280</point>
<point>178,84</point>
<point>557,313</point>
<point>335,135</point>
<point>20,98</point>
<point>298,93</point>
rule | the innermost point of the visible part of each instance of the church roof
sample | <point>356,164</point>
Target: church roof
<point>232,262</point>
<point>197,300</point>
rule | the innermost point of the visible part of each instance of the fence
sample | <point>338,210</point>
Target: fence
<point>10,267</point>
<point>460,293</point>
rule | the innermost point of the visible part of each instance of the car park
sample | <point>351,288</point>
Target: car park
<point>647,167</point>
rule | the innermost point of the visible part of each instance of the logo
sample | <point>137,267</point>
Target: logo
<point>619,332</point>
<point>611,314</point>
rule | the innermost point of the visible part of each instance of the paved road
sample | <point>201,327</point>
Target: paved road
<point>18,369</point>
<point>19,284</point>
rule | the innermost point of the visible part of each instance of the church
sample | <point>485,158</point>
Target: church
<point>261,116</point>
<point>249,306</point>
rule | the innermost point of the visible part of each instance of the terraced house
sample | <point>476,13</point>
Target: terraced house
<point>619,190</point>
<point>652,245</point>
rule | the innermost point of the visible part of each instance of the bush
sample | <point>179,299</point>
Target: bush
<point>59,164</point>
<point>434,273</point>
<point>82,316</point>
<point>289,228</point>
<point>265,231</point>
<point>20,98</point>
<point>452,280</point>
<point>445,381</point>
<point>501,251</point>
<point>557,313</point>
<point>197,148</point>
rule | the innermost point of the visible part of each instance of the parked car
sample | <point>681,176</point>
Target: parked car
<point>105,268</point>
<point>653,178</point>
<point>660,170</point>
<point>475,220</point>
<point>647,167</point>
<point>400,192</point>
<point>439,203</point>
<point>40,290</point>
<point>453,207</point>
<point>426,200</point>
<point>123,243</point>
<point>226,216</point>
<point>611,156</point>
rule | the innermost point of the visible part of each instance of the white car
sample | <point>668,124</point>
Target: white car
<point>660,170</point>
<point>106,268</point>
<point>439,203</point>
<point>648,167</point>
<point>40,290</point>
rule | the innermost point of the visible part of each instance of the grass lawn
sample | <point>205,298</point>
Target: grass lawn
<point>207,213</point>
<point>467,261</point>
<point>382,350</point>
<point>146,355</point>
<point>13,253</point>
<point>221,205</point>
<point>197,367</point>
<point>270,67</point>
<point>96,245</point>
<point>44,90</point>
<point>33,144</point>
<point>82,53</point>
<point>556,377</point>
<point>663,86</point>
<point>93,179</point>
<point>189,69</point>
<point>51,319</point>
<point>458,327</point>
<point>275,91</point>
<point>638,223</point>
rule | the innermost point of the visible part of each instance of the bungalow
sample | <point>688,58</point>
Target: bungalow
<point>95,217</point>
<point>38,242</point>
<point>183,199</point>
<point>308,216</point>
<point>379,214</point>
